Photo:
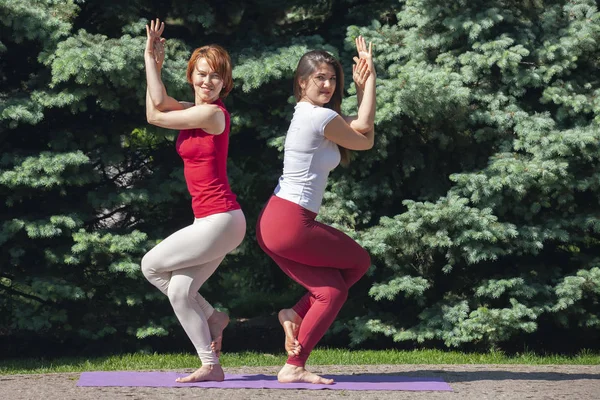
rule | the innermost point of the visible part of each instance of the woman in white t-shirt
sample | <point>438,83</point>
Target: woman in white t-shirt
<point>324,260</point>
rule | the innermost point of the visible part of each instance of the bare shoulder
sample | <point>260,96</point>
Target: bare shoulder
<point>213,117</point>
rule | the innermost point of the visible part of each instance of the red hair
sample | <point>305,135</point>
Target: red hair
<point>218,59</point>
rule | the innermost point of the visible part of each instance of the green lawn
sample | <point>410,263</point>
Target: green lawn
<point>319,356</point>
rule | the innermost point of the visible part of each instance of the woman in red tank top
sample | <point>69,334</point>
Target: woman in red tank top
<point>181,263</point>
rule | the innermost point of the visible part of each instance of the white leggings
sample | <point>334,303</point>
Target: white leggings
<point>180,264</point>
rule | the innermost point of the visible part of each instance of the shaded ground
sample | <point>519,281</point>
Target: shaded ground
<point>469,382</point>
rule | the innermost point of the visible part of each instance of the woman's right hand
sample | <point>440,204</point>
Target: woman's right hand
<point>365,53</point>
<point>155,44</point>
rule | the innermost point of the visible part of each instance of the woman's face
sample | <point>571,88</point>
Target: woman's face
<point>207,82</point>
<point>320,85</point>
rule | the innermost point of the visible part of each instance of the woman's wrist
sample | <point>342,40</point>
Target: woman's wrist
<point>372,73</point>
<point>149,57</point>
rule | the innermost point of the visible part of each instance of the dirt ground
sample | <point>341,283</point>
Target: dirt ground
<point>469,382</point>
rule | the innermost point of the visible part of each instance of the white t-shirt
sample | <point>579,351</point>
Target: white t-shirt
<point>308,157</point>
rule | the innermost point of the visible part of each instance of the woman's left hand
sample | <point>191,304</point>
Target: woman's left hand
<point>360,72</point>
<point>159,52</point>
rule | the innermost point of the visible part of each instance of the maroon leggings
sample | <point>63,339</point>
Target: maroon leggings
<point>322,259</point>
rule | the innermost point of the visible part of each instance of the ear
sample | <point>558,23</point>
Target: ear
<point>302,83</point>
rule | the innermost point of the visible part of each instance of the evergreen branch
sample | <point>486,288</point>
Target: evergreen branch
<point>7,276</point>
<point>15,292</point>
<point>106,216</point>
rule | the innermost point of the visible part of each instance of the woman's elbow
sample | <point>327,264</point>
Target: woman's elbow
<point>159,104</point>
<point>363,127</point>
<point>151,118</point>
<point>370,140</point>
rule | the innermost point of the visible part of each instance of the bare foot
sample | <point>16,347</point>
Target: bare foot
<point>290,321</point>
<point>216,324</point>
<point>205,373</point>
<point>292,374</point>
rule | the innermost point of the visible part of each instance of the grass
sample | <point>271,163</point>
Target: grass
<point>318,357</point>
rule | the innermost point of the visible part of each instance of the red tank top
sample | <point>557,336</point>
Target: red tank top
<point>205,168</point>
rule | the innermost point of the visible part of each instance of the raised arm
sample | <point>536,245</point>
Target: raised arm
<point>358,132</point>
<point>365,89</point>
<point>209,117</point>
<point>360,74</point>
<point>154,56</point>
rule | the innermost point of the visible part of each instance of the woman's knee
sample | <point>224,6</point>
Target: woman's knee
<point>147,265</point>
<point>179,295</point>
<point>332,296</point>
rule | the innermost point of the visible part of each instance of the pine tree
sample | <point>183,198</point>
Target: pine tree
<point>489,120</point>
<point>88,186</point>
<point>478,203</point>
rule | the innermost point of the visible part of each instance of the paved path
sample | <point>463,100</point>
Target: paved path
<point>469,382</point>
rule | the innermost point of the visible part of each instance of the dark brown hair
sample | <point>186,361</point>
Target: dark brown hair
<point>307,65</point>
<point>218,59</point>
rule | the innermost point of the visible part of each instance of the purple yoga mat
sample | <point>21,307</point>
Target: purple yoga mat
<point>342,382</point>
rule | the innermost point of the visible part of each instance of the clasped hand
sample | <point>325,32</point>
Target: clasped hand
<point>363,67</point>
<point>155,44</point>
